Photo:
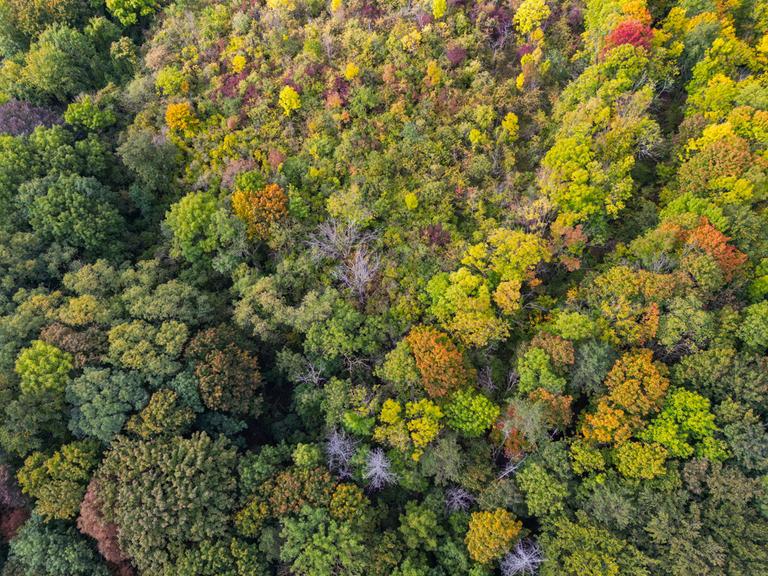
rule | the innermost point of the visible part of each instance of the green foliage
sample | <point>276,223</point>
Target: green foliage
<point>192,221</point>
<point>165,504</point>
<point>684,421</point>
<point>74,210</point>
<point>129,11</point>
<point>535,370</point>
<point>102,400</point>
<point>344,288</point>
<point>470,413</point>
<point>754,328</point>
<point>579,548</point>
<point>52,549</point>
<point>43,368</point>
<point>544,494</point>
<point>318,546</point>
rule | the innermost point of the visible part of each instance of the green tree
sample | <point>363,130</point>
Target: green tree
<point>102,400</point>
<point>470,413</point>
<point>167,495</point>
<point>42,367</point>
<point>544,494</point>
<point>54,549</point>
<point>315,545</point>
<point>129,11</point>
<point>192,222</point>
<point>58,483</point>
<point>74,210</point>
<point>581,549</point>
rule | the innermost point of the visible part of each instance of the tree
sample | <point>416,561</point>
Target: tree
<point>419,527</point>
<point>490,534</point>
<point>470,413</point>
<point>686,419</point>
<point>544,494</point>
<point>289,100</point>
<point>19,118</point>
<point>54,549</point>
<point>193,225</point>
<point>33,422</point>
<point>164,415</point>
<point>754,329</point>
<point>228,376</point>
<point>524,559</point>
<point>43,368</point>
<point>442,366</point>
<point>636,388</point>
<point>318,546</point>
<point>150,349</point>
<point>630,31</point>
<point>462,302</point>
<point>259,209</point>
<point>535,370</point>
<point>92,523</point>
<point>75,210</point>
<point>166,495</point>
<point>530,15</point>
<point>409,430</point>
<point>102,400</point>
<point>58,483</point>
<point>581,549</point>
<point>640,460</point>
<point>129,11</point>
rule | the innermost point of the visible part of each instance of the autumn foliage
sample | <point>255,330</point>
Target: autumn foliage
<point>259,209</point>
<point>636,388</point>
<point>490,534</point>
<point>629,31</point>
<point>441,364</point>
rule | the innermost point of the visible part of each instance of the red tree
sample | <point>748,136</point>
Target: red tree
<point>629,32</point>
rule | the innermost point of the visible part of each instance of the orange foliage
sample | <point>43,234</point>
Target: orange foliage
<point>558,348</point>
<point>636,384</point>
<point>260,209</point>
<point>557,407</point>
<point>607,425</point>
<point>441,364</point>
<point>636,388</point>
<point>709,239</point>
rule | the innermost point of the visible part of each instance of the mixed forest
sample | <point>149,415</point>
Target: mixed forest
<point>383,287</point>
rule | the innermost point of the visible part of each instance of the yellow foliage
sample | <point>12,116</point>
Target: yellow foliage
<point>351,71</point>
<point>238,63</point>
<point>289,100</point>
<point>491,534</point>
<point>180,116</point>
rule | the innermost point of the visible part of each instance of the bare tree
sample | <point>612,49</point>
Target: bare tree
<point>524,559</point>
<point>511,467</point>
<point>336,241</point>
<point>378,470</point>
<point>458,499</point>
<point>339,449</point>
<point>312,375</point>
<point>358,271</point>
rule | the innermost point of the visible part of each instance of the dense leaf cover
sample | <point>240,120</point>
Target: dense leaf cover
<point>383,288</point>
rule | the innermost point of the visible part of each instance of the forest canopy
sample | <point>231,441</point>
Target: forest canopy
<point>383,288</point>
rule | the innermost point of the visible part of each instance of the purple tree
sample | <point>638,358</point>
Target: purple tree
<point>523,559</point>
<point>19,118</point>
<point>10,494</point>
<point>378,470</point>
